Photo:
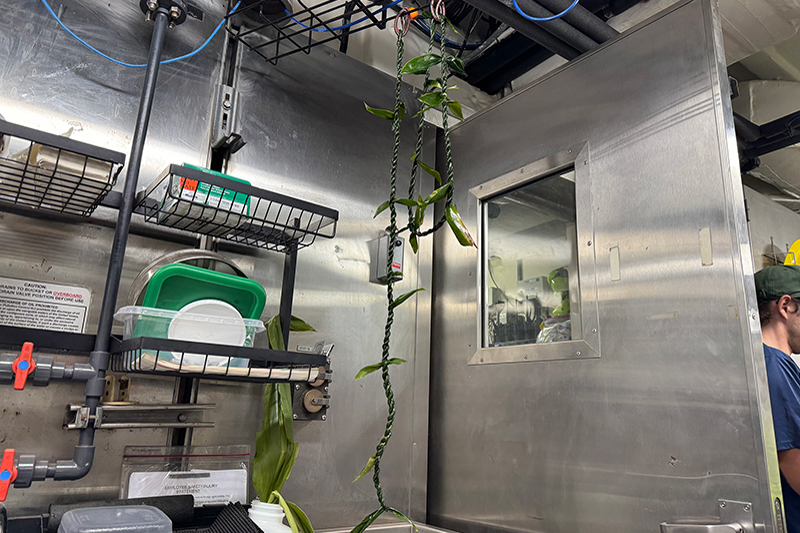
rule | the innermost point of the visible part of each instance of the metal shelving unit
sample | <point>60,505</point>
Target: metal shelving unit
<point>45,171</point>
<point>275,35</point>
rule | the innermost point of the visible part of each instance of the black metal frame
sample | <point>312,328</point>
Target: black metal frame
<point>64,188</point>
<point>326,15</point>
<point>128,358</point>
<point>271,220</point>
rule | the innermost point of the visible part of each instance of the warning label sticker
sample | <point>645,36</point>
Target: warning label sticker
<point>33,304</point>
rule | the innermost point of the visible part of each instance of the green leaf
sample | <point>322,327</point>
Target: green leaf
<point>426,14</point>
<point>414,243</point>
<point>423,110</point>
<point>457,225</point>
<point>382,113</point>
<point>403,517</point>
<point>381,208</point>
<point>302,518</point>
<point>436,82</point>
<point>455,64</point>
<point>430,171</point>
<point>367,468</point>
<point>404,297</point>
<point>408,202</point>
<point>455,108</point>
<point>275,334</point>
<point>275,453</point>
<point>288,512</point>
<point>433,99</point>
<point>419,216</point>
<point>298,324</point>
<point>368,520</point>
<point>437,195</point>
<point>455,30</point>
<point>401,110</point>
<point>367,370</point>
<point>421,64</point>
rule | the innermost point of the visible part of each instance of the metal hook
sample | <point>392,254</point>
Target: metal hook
<point>438,10</point>
<point>402,22</point>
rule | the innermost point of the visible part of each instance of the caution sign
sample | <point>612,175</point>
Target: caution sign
<point>33,304</point>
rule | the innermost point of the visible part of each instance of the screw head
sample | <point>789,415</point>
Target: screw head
<point>746,508</point>
<point>175,12</point>
<point>294,417</point>
<point>722,505</point>
<point>152,5</point>
<point>594,331</point>
<point>325,389</point>
<point>226,104</point>
<point>589,243</point>
<point>297,387</point>
<point>324,417</point>
<point>578,353</point>
<point>182,417</point>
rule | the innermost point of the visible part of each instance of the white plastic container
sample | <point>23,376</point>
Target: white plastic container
<point>268,516</point>
<point>183,325</point>
<point>123,519</point>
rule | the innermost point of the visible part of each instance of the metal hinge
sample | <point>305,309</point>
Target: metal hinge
<point>138,416</point>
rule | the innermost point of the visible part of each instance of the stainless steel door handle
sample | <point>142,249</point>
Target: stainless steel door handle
<point>702,528</point>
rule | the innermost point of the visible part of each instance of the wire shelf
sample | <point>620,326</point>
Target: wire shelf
<point>54,173</point>
<point>201,202</point>
<point>274,35</point>
<point>165,357</point>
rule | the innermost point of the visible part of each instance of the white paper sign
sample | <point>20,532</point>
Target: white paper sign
<point>209,487</point>
<point>33,304</point>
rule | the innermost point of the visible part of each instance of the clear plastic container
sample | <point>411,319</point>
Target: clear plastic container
<point>181,325</point>
<point>125,519</point>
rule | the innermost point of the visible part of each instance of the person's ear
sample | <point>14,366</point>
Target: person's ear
<point>786,306</point>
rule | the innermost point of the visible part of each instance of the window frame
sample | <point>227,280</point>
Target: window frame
<point>589,346</point>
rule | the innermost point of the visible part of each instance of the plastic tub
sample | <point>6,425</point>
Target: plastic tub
<point>127,519</point>
<point>185,325</point>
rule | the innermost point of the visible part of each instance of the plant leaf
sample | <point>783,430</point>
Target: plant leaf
<point>455,108</point>
<point>381,208</point>
<point>399,301</point>
<point>433,99</point>
<point>414,243</point>
<point>436,82</point>
<point>421,64</point>
<point>367,370</point>
<point>302,518</point>
<point>457,225</point>
<point>401,110</point>
<point>288,512</point>
<point>433,172</point>
<point>408,202</point>
<point>272,449</point>
<point>368,520</point>
<point>275,334</point>
<point>367,468</point>
<point>298,324</point>
<point>419,216</point>
<point>455,30</point>
<point>423,110</point>
<point>455,64</point>
<point>382,113</point>
<point>437,195</point>
<point>403,517</point>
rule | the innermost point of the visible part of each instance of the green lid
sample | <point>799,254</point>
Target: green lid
<point>775,281</point>
<point>177,285</point>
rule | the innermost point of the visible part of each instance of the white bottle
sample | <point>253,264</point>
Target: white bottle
<point>268,516</point>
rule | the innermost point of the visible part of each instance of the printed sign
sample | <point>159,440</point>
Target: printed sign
<point>33,304</point>
<point>209,487</point>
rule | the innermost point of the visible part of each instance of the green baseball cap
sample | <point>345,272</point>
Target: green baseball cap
<point>775,281</point>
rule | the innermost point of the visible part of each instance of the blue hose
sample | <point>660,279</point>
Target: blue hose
<point>359,21</point>
<point>544,19</point>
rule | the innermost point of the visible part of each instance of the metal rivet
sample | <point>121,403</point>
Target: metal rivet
<point>324,417</point>
<point>589,243</point>
<point>297,387</point>
<point>594,331</point>
<point>569,151</point>
<point>325,389</point>
<point>746,508</point>
<point>578,353</point>
<point>586,162</point>
<point>722,505</point>
<point>481,360</point>
<point>294,417</point>
<point>182,417</point>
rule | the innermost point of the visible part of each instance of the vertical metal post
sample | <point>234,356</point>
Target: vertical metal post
<point>99,357</point>
<point>287,293</point>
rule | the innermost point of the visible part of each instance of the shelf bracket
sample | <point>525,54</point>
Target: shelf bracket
<point>138,416</point>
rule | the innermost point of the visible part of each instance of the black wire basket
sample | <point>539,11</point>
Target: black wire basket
<point>45,171</point>
<point>166,357</point>
<point>273,29</point>
<point>202,202</point>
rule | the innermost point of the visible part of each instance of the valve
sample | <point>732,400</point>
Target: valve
<point>7,473</point>
<point>23,366</point>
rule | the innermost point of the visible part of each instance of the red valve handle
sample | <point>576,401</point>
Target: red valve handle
<point>23,366</point>
<point>7,473</point>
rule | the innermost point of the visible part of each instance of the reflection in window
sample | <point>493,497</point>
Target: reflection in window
<point>531,264</point>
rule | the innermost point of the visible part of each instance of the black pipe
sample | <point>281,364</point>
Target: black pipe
<point>582,19</point>
<point>287,294</point>
<point>81,463</point>
<point>558,27</point>
<point>508,16</point>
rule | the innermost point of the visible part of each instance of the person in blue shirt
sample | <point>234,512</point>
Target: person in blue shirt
<point>778,294</point>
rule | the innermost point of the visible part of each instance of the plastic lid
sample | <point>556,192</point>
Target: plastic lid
<point>127,519</point>
<point>233,333</point>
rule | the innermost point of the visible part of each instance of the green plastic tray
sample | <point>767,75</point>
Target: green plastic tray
<point>177,285</point>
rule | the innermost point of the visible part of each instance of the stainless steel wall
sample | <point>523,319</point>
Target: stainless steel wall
<point>308,135</point>
<point>673,415</point>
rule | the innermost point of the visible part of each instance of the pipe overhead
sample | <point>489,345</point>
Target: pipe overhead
<point>508,16</point>
<point>582,19</point>
<point>558,27</point>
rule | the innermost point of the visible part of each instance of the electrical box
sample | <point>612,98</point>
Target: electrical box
<point>378,257</point>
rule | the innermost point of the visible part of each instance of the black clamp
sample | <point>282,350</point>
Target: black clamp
<point>176,8</point>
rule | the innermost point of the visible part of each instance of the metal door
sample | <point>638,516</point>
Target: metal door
<point>656,410</point>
